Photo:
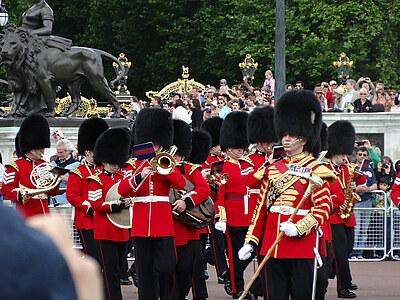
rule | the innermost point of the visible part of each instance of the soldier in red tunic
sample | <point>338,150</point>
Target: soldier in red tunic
<point>218,245</point>
<point>233,207</point>
<point>289,270</point>
<point>187,239</point>
<point>77,187</point>
<point>31,171</point>
<point>110,152</point>
<point>152,226</point>
<point>341,138</point>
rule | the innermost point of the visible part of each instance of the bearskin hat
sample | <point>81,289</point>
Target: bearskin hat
<point>341,138</point>
<point>182,137</point>
<point>298,113</point>
<point>260,125</point>
<point>17,150</point>
<point>34,133</point>
<point>233,131</point>
<point>88,133</point>
<point>201,145</point>
<point>213,126</point>
<point>112,146</point>
<point>154,125</point>
<point>322,142</point>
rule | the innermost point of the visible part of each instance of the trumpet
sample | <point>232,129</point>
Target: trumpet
<point>213,179</point>
<point>164,164</point>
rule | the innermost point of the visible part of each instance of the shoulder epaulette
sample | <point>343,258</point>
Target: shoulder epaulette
<point>247,159</point>
<point>76,171</point>
<point>193,168</point>
<point>324,173</point>
<point>132,162</point>
<point>13,164</point>
<point>95,177</point>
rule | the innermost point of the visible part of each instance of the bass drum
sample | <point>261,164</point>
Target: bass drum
<point>123,218</point>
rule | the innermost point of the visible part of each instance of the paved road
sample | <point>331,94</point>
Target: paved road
<point>376,281</point>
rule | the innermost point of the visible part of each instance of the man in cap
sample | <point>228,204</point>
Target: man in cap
<point>152,226</point>
<point>33,137</point>
<point>233,208</point>
<point>341,138</point>
<point>77,187</point>
<point>213,127</point>
<point>110,152</point>
<point>289,269</point>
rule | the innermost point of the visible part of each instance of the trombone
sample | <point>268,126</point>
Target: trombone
<point>164,164</point>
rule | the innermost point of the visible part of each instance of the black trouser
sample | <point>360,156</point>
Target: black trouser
<point>112,254</point>
<point>323,273</point>
<point>184,270</point>
<point>218,248</point>
<point>199,287</point>
<point>259,287</point>
<point>289,276</point>
<point>89,245</point>
<point>235,237</point>
<point>342,242</point>
<point>155,258</point>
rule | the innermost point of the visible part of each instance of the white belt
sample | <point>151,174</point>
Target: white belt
<point>254,191</point>
<point>40,196</point>
<point>287,210</point>
<point>149,199</point>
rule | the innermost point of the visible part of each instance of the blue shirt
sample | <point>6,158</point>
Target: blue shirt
<point>63,184</point>
<point>369,173</point>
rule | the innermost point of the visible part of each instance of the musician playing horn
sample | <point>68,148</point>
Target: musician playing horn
<point>152,225</point>
<point>110,152</point>
<point>289,270</point>
<point>31,171</point>
<point>341,138</point>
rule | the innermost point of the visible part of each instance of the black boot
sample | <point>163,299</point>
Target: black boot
<point>346,293</point>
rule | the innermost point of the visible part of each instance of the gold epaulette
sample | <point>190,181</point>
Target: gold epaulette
<point>76,172</point>
<point>13,164</point>
<point>193,168</point>
<point>247,159</point>
<point>325,174</point>
<point>132,162</point>
<point>96,178</point>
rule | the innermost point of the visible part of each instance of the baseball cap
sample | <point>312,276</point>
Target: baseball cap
<point>223,81</point>
<point>332,82</point>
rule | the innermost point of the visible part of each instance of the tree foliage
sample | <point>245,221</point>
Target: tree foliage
<point>213,36</point>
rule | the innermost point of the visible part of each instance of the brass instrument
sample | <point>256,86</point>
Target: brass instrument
<point>164,164</point>
<point>44,177</point>
<point>212,180</point>
<point>351,197</point>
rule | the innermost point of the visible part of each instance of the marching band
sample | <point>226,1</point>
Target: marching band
<point>285,208</point>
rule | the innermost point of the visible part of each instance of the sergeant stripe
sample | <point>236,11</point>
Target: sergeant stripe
<point>8,177</point>
<point>95,195</point>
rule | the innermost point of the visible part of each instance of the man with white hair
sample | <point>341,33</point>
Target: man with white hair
<point>67,161</point>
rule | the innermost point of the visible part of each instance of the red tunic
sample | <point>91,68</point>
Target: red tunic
<point>316,207</point>
<point>99,185</point>
<point>77,194</point>
<point>193,173</point>
<point>232,196</point>
<point>337,192</point>
<point>395,193</point>
<point>152,215</point>
<point>17,175</point>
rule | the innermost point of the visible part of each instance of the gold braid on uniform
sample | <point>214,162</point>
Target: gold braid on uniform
<point>222,214</point>
<point>76,172</point>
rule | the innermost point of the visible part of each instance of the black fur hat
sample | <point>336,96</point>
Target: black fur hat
<point>154,125</point>
<point>322,142</point>
<point>298,113</point>
<point>233,131</point>
<point>213,126</point>
<point>112,146</point>
<point>201,145</point>
<point>341,138</point>
<point>260,125</point>
<point>17,150</point>
<point>88,133</point>
<point>34,133</point>
<point>182,137</point>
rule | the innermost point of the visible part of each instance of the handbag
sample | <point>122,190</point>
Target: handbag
<point>196,217</point>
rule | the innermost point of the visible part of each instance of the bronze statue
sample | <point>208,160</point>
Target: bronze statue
<point>37,62</point>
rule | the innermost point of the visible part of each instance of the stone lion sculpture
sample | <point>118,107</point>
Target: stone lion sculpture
<point>34,72</point>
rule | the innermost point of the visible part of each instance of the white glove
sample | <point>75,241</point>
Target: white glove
<point>289,229</point>
<point>245,252</point>
<point>220,226</point>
